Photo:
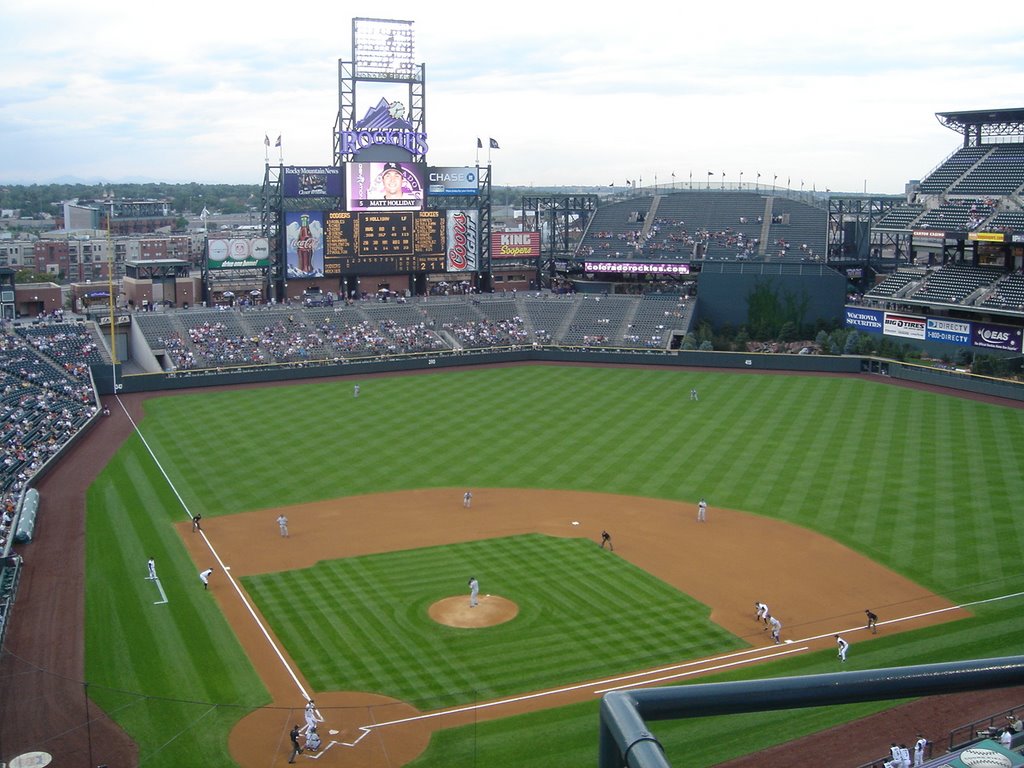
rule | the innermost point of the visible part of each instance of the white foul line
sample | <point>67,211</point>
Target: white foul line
<point>225,569</point>
<point>366,729</point>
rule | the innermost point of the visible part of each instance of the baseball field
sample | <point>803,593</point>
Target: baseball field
<point>827,495</point>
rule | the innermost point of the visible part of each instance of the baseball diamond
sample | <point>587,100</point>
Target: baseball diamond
<point>806,517</point>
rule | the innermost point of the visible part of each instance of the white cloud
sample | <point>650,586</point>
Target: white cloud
<point>575,95</point>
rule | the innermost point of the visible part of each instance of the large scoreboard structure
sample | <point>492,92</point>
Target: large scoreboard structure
<point>378,209</point>
<point>387,242</point>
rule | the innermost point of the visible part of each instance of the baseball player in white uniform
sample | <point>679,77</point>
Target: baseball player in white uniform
<point>467,499</point>
<point>776,627</point>
<point>919,747</point>
<point>282,523</point>
<point>474,590</point>
<point>843,645</point>
<point>312,716</point>
<point>762,612</point>
<point>894,751</point>
<point>904,756</point>
<point>702,511</point>
<point>151,565</point>
<point>204,576</point>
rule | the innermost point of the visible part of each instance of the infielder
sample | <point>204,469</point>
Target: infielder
<point>762,612</point>
<point>702,511</point>
<point>282,523</point>
<point>776,627</point>
<point>474,591</point>
<point>843,645</point>
<point>467,499</point>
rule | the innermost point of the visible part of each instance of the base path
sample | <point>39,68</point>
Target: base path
<point>824,589</point>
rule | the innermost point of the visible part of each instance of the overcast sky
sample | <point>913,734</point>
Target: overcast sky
<point>839,96</point>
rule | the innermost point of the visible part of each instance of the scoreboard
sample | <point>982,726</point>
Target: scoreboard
<point>385,242</point>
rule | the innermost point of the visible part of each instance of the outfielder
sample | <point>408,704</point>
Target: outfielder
<point>152,569</point>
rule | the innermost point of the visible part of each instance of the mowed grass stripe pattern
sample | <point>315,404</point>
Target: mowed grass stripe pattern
<point>896,473</point>
<point>362,623</point>
<point>921,482</point>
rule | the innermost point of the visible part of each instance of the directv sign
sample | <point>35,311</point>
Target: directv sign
<point>448,181</point>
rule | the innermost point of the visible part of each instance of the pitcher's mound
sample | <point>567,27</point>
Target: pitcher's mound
<point>455,611</point>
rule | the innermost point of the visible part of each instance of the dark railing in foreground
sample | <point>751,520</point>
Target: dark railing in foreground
<point>626,742</point>
<point>968,732</point>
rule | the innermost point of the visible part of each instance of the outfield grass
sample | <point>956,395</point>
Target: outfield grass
<point>920,482</point>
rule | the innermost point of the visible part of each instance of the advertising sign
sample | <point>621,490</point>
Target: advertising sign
<point>633,267</point>
<point>906,326</point>
<point>304,243</point>
<point>237,252</point>
<point>449,181</point>
<point>949,331</point>
<point>315,181</point>
<point>463,241</point>
<point>515,245</point>
<point>996,336</point>
<point>384,186</point>
<point>867,320</point>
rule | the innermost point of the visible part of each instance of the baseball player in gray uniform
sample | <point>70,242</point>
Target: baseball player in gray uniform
<point>474,590</point>
<point>776,627</point>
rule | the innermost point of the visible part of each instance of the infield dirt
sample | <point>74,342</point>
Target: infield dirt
<point>813,584</point>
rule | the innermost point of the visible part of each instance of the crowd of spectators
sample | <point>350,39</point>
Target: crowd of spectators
<point>480,333</point>
<point>43,406</point>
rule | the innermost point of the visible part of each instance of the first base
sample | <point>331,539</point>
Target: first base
<point>788,642</point>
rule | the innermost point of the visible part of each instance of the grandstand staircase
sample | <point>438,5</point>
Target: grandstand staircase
<point>766,225</point>
<point>627,321</point>
<point>652,213</point>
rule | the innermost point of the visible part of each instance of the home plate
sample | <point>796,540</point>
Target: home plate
<point>575,522</point>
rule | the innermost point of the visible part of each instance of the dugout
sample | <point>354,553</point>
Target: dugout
<point>741,293</point>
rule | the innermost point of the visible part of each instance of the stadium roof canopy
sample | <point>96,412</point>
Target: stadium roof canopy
<point>980,123</point>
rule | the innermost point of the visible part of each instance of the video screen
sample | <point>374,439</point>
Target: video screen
<point>385,186</point>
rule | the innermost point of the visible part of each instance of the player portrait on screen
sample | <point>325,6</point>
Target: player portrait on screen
<point>385,186</point>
